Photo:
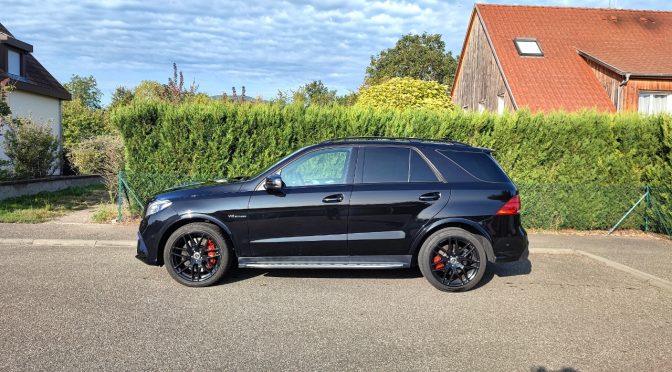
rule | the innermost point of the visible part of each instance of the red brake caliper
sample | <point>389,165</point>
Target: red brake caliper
<point>211,253</point>
<point>437,263</point>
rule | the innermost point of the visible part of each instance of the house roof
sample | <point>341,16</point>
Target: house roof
<point>36,78</point>
<point>626,41</point>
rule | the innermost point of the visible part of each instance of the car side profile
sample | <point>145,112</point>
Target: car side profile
<point>367,203</point>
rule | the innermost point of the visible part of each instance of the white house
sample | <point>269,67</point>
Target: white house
<point>36,93</point>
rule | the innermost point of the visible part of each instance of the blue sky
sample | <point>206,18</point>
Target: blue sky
<point>264,45</point>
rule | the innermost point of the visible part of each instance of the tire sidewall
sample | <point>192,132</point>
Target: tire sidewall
<point>220,241</point>
<point>435,238</point>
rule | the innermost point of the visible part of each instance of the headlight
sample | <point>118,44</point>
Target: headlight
<point>157,206</point>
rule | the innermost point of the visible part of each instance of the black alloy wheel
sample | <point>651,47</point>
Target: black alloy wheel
<point>455,262</point>
<point>452,259</point>
<point>196,255</point>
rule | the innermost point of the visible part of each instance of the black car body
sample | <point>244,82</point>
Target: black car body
<point>345,203</point>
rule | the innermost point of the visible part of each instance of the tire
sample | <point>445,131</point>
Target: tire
<point>197,255</point>
<point>447,260</point>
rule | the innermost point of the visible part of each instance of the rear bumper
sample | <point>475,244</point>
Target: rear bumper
<point>511,248</point>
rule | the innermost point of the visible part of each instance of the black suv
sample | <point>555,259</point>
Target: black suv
<point>367,203</point>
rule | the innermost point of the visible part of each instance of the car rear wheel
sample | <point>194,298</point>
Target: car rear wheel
<point>452,259</point>
<point>197,255</point>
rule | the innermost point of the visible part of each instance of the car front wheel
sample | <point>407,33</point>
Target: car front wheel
<point>196,255</point>
<point>452,259</point>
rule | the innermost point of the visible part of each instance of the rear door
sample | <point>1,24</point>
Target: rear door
<point>396,192</point>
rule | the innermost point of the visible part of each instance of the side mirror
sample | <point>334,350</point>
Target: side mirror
<point>273,183</point>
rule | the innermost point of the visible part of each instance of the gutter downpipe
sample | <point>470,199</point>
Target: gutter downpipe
<point>620,90</point>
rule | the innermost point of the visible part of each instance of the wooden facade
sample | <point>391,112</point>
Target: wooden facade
<point>480,83</point>
<point>624,93</point>
<point>610,81</point>
<point>634,86</point>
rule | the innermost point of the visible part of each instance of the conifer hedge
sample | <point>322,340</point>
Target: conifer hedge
<point>575,170</point>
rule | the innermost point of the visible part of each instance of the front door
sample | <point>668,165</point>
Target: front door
<point>309,216</point>
<point>395,193</point>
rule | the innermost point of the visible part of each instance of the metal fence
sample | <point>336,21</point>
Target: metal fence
<point>544,206</point>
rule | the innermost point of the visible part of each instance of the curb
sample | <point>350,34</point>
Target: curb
<point>552,250</point>
<point>70,243</point>
<point>651,279</point>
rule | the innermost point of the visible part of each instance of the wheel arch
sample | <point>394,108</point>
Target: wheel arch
<point>192,218</point>
<point>465,224</point>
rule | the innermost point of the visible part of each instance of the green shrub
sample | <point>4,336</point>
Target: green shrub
<point>81,122</point>
<point>31,148</point>
<point>403,93</point>
<point>103,155</point>
<point>575,170</point>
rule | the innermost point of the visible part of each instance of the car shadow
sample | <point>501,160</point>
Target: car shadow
<point>544,369</point>
<point>494,269</point>
<point>516,268</point>
<point>244,274</point>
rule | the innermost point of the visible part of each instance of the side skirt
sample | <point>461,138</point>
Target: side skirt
<point>326,262</point>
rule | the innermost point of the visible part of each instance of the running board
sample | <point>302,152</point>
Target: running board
<point>326,262</point>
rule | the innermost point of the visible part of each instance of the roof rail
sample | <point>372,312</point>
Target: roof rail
<point>408,139</point>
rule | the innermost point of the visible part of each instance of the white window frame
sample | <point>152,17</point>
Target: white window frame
<point>523,46</point>
<point>649,109</point>
<point>13,62</point>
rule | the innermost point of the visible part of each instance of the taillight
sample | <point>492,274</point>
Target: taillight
<point>511,207</point>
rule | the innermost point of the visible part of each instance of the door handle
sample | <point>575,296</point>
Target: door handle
<point>430,196</point>
<point>336,198</point>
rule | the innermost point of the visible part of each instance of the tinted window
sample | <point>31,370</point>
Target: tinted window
<point>420,170</point>
<point>479,164</point>
<point>385,164</point>
<point>323,167</point>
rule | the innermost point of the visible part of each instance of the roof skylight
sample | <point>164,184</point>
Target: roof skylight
<point>528,47</point>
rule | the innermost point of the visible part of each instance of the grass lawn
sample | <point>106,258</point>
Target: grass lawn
<point>48,205</point>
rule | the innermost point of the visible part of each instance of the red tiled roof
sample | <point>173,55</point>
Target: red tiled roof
<point>630,41</point>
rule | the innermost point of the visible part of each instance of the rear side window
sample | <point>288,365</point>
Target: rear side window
<point>420,170</point>
<point>385,164</point>
<point>479,164</point>
<point>395,164</point>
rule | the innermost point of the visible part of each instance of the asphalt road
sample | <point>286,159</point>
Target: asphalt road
<point>67,308</point>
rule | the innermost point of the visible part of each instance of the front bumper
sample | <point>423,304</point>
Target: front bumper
<point>143,252</point>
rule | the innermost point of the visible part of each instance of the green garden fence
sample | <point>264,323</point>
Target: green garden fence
<point>544,206</point>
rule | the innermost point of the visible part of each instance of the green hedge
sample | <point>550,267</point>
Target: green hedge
<point>582,157</point>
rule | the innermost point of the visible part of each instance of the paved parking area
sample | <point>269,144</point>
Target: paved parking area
<point>67,308</point>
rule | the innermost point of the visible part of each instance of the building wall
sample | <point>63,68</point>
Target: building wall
<point>479,80</point>
<point>40,109</point>
<point>610,81</point>
<point>634,86</point>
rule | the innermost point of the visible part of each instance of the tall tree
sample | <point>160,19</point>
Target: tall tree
<point>84,89</point>
<point>421,57</point>
<point>122,96</point>
<point>175,90</point>
<point>148,90</point>
<point>314,93</point>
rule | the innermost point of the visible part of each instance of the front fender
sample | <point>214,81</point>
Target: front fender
<point>469,225</point>
<point>198,217</point>
<point>182,219</point>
